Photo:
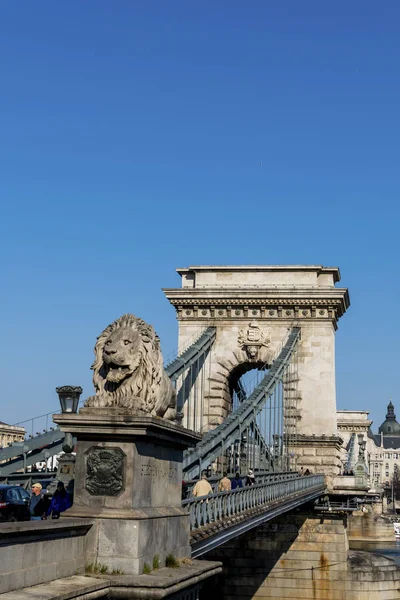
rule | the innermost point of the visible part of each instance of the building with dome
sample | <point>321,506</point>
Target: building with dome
<point>386,457</point>
<point>390,427</point>
<point>382,449</point>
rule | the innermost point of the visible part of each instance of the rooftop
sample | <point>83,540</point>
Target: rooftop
<point>319,269</point>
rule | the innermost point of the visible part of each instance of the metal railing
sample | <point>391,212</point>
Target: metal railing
<point>192,354</point>
<point>183,348</point>
<point>215,507</point>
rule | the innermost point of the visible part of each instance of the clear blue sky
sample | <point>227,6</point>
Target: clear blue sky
<point>132,137</point>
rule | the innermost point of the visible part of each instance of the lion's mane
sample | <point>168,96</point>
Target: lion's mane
<point>148,389</point>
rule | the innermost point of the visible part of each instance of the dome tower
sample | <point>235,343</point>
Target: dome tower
<point>390,426</point>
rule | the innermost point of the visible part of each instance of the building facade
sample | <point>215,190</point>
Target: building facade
<point>10,434</point>
<point>382,449</point>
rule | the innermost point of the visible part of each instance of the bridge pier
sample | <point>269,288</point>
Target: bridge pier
<point>128,480</point>
<point>299,556</point>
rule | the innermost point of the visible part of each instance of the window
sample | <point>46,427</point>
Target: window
<point>395,456</point>
<point>387,473</point>
<point>387,465</point>
<point>24,494</point>
<point>376,465</point>
<point>12,495</point>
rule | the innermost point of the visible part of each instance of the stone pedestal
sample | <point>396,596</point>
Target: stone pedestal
<point>319,454</point>
<point>66,470</point>
<point>65,473</point>
<point>128,478</point>
<point>361,475</point>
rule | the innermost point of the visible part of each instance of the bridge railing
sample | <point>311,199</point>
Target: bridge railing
<point>215,507</point>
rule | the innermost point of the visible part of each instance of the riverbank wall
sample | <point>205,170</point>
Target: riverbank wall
<point>367,527</point>
<point>302,556</point>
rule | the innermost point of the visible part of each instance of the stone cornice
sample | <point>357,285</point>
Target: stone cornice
<point>353,425</point>
<point>319,441</point>
<point>206,303</point>
<point>11,429</point>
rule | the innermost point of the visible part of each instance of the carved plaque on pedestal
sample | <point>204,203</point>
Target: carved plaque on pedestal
<point>66,470</point>
<point>105,471</point>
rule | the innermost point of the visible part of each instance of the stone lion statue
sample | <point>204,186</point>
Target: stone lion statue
<point>128,370</point>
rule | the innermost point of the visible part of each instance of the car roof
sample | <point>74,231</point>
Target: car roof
<point>6,486</point>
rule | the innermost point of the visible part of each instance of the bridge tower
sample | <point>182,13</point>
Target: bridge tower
<point>252,309</point>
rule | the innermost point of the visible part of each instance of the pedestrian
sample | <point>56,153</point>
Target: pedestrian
<point>202,487</point>
<point>224,484</point>
<point>301,472</point>
<point>185,489</point>
<point>38,503</point>
<point>250,479</point>
<point>59,502</point>
<point>307,472</point>
<point>237,482</point>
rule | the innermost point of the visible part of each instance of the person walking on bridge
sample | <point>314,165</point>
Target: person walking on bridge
<point>250,479</point>
<point>224,484</point>
<point>59,502</point>
<point>202,487</point>
<point>38,503</point>
<point>237,482</point>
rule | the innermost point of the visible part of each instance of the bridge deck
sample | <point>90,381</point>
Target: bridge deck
<point>217,518</point>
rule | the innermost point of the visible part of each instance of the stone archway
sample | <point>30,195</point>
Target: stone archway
<point>238,299</point>
<point>227,366</point>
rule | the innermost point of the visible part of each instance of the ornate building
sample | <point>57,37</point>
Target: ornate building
<point>387,454</point>
<point>382,449</point>
<point>10,433</point>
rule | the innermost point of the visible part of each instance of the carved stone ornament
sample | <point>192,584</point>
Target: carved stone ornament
<point>105,471</point>
<point>252,339</point>
<point>128,370</point>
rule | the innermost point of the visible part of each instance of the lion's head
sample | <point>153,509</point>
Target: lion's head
<point>128,368</point>
<point>120,355</point>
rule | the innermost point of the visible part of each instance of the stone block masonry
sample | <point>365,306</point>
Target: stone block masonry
<point>269,299</point>
<point>40,551</point>
<point>136,508</point>
<point>303,556</point>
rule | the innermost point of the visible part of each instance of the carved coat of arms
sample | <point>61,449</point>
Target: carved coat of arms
<point>104,471</point>
<point>252,339</point>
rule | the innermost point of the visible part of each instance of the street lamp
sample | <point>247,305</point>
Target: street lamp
<point>69,397</point>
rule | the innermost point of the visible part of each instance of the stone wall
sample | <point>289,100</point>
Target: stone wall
<point>36,552</point>
<point>303,556</point>
<point>366,527</point>
<point>319,454</point>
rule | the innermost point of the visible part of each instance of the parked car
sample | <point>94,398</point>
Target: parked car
<point>14,503</point>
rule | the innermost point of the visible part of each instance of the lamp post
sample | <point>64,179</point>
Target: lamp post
<point>69,400</point>
<point>360,467</point>
<point>69,397</point>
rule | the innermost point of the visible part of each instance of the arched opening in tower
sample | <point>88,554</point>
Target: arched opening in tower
<point>258,445</point>
<point>243,379</point>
